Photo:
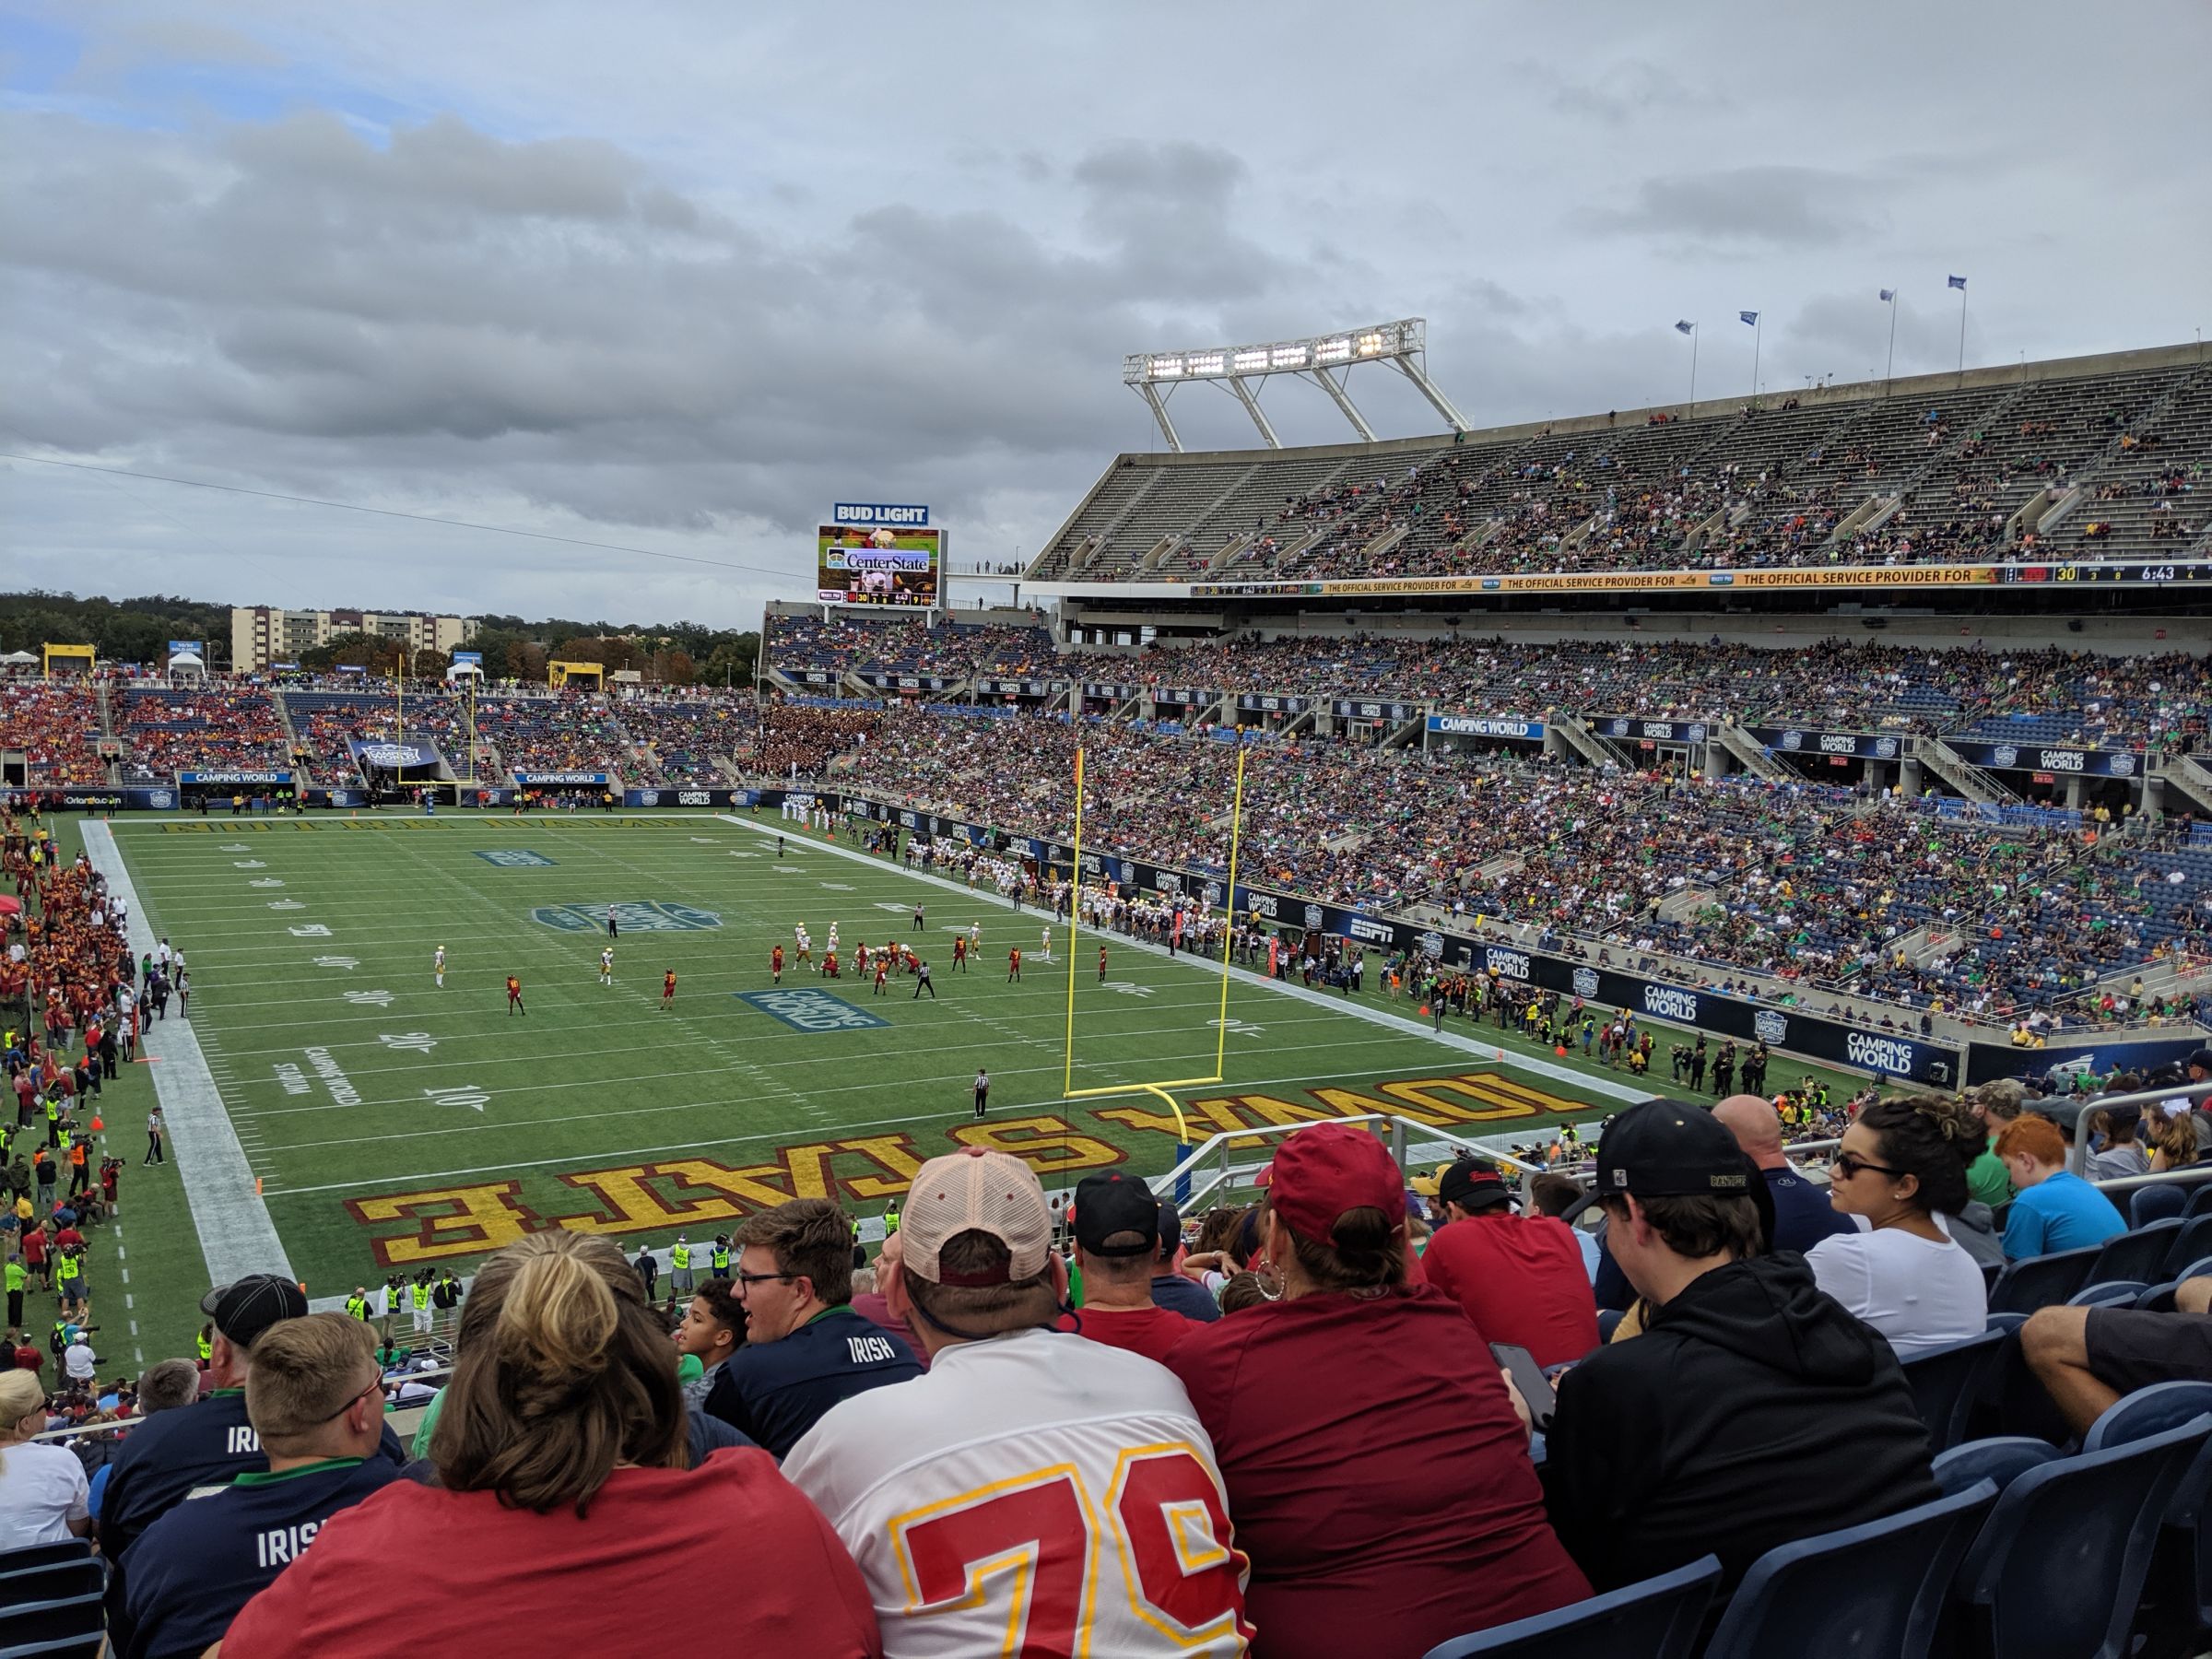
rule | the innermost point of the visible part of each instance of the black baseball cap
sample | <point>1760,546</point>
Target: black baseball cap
<point>243,1308</point>
<point>2200,1060</point>
<point>1472,1186</point>
<point>1663,1149</point>
<point>1108,1205</point>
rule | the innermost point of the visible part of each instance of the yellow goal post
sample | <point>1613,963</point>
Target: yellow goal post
<point>1164,1086</point>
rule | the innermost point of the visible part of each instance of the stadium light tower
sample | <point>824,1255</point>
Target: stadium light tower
<point>1327,359</point>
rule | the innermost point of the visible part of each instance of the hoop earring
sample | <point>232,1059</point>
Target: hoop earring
<point>1270,1282</point>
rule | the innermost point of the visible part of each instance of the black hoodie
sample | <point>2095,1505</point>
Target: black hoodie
<point>1752,1411</point>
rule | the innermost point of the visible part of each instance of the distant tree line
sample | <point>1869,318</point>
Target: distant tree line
<point>138,631</point>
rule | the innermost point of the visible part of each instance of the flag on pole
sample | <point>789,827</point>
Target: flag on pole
<point>1957,282</point>
<point>1686,328</point>
<point>1751,318</point>
<point>1887,295</point>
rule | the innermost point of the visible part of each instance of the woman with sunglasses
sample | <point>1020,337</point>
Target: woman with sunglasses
<point>1899,1174</point>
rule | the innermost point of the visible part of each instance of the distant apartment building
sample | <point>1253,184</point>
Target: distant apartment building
<point>263,634</point>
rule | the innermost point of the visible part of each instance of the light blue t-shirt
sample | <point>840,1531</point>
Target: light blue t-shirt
<point>2062,1212</point>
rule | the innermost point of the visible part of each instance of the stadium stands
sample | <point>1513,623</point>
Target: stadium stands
<point>2049,695</point>
<point>2106,463</point>
<point>167,730</point>
<point>55,724</point>
<point>568,733</point>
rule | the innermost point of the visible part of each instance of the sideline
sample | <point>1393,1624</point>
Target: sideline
<point>236,1233</point>
<point>1495,1054</point>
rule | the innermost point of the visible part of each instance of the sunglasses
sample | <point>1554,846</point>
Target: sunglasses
<point>1848,1164</point>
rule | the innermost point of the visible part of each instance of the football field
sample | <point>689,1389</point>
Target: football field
<point>383,1122</point>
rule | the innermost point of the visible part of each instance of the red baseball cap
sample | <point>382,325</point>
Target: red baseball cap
<point>1329,1169</point>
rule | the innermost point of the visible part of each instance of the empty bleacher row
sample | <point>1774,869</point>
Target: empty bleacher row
<point>2054,464</point>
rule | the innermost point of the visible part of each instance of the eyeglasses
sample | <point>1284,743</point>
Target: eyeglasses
<point>376,1386</point>
<point>1848,1164</point>
<point>745,1279</point>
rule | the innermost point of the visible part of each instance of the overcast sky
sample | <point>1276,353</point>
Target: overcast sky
<point>677,275</point>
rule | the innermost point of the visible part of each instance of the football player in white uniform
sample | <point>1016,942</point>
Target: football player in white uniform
<point>437,966</point>
<point>1032,1491</point>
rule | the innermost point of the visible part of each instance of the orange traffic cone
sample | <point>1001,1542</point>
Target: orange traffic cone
<point>1424,1010</point>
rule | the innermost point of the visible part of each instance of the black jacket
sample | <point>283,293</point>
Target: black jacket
<point>1753,1411</point>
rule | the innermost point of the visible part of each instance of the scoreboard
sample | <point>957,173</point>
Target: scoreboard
<point>878,554</point>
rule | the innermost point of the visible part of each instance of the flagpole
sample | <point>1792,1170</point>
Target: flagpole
<point>1962,331</point>
<point>1693,370</point>
<point>1755,329</point>
<point>1889,364</point>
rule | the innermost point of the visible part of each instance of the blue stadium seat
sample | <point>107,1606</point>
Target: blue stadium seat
<point>2000,1458</point>
<point>2136,1255</point>
<point>2149,1203</point>
<point>2193,1242</point>
<point>1656,1619</point>
<point>2042,1281</point>
<point>1942,1380</point>
<point>38,1555</point>
<point>2200,1201</point>
<point>49,1580</point>
<point>2060,1566</point>
<point>1608,1321</point>
<point>2178,1596</point>
<point>67,1629</point>
<point>1879,1588</point>
<point>2159,1299</point>
<point>2107,1293</point>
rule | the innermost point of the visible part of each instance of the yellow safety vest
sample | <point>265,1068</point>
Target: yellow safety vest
<point>681,1256</point>
<point>421,1294</point>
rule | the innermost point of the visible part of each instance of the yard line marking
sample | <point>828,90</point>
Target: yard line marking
<point>958,1112</point>
<point>237,1237</point>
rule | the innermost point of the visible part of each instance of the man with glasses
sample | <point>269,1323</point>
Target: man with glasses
<point>806,1349</point>
<point>315,1398</point>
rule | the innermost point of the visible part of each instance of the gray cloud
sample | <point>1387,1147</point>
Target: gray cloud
<point>1772,206</point>
<point>682,285</point>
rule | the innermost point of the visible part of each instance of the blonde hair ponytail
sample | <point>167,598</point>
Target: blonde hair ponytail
<point>563,1373</point>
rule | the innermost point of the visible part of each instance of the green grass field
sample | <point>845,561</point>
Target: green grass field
<point>391,1123</point>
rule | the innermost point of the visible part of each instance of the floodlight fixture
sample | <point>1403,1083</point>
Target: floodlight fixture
<point>1322,358</point>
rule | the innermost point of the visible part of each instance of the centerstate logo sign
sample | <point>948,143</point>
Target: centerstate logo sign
<point>516,858</point>
<point>634,916</point>
<point>806,1010</point>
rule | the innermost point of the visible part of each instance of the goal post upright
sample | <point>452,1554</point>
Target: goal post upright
<point>1161,1088</point>
<point>1075,918</point>
<point>1229,913</point>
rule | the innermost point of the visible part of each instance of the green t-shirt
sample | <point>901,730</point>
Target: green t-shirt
<point>1986,1180</point>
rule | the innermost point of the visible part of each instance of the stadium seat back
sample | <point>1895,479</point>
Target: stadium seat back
<point>2042,1281</point>
<point>1878,1588</point>
<point>2199,1203</point>
<point>1656,1619</point>
<point>39,1555</point>
<point>2001,1458</point>
<point>2149,1203</point>
<point>2179,1596</point>
<point>1944,1378</point>
<point>70,1627</point>
<point>2192,1241</point>
<point>2159,1299</point>
<point>2059,1568</point>
<point>50,1581</point>
<point>2140,1255</point>
<point>2107,1293</point>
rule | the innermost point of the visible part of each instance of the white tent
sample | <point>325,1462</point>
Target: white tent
<point>186,664</point>
<point>460,669</point>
